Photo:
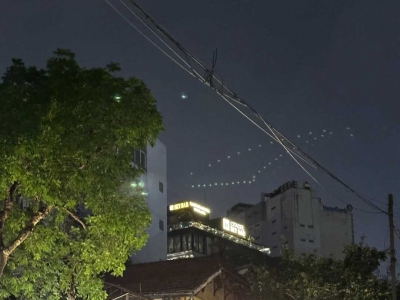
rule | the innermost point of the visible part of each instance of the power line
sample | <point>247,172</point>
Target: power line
<point>227,94</point>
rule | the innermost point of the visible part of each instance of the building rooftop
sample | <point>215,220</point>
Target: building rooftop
<point>182,276</point>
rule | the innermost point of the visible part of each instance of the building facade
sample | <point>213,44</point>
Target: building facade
<point>192,234</point>
<point>154,161</point>
<point>294,215</point>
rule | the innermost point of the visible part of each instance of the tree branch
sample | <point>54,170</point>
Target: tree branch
<point>28,229</point>
<point>22,236</point>
<point>7,206</point>
<point>76,218</point>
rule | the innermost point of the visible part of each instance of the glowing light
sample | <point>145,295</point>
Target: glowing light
<point>259,146</point>
<point>259,171</point>
<point>265,167</point>
<point>249,181</point>
<point>216,183</point>
<point>280,155</point>
<point>348,128</point>
<point>271,142</point>
<point>192,186</point>
<point>228,157</point>
<point>306,141</point>
<point>315,138</point>
<point>238,153</point>
<point>183,96</point>
<point>209,165</point>
<point>199,185</point>
<point>249,149</point>
<point>330,132</point>
<point>210,184</point>
<point>254,176</point>
<point>298,135</point>
<point>276,159</point>
<point>117,98</point>
<point>191,173</point>
<point>199,211</point>
<point>227,183</point>
<point>351,134</point>
<point>204,185</point>
<point>233,182</point>
<point>322,135</point>
<point>310,132</point>
<point>269,163</point>
<point>324,130</point>
<point>141,184</point>
<point>144,193</point>
<point>238,182</point>
<point>244,181</point>
<point>133,184</point>
<point>233,227</point>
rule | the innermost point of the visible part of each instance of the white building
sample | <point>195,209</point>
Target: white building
<point>154,161</point>
<point>295,213</point>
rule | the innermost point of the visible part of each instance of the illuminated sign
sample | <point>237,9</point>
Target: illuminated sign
<point>196,207</point>
<point>179,206</point>
<point>233,227</point>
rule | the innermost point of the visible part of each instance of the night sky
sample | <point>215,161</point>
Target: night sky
<point>306,66</point>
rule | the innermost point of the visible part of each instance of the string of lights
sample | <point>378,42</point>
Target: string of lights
<point>197,68</point>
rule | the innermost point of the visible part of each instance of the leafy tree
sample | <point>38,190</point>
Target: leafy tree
<point>311,278</point>
<point>69,212</point>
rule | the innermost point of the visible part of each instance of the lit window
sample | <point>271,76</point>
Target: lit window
<point>161,187</point>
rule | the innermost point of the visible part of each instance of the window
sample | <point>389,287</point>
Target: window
<point>303,240</point>
<point>310,226</point>
<point>274,247</point>
<point>273,207</point>
<point>161,187</point>
<point>171,245</point>
<point>189,241</point>
<point>302,225</point>
<point>139,158</point>
<point>311,241</point>
<point>285,227</point>
<point>184,242</point>
<point>177,243</point>
<point>273,221</point>
<point>161,225</point>
<point>274,233</point>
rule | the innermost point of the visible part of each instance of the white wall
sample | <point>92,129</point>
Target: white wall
<point>156,247</point>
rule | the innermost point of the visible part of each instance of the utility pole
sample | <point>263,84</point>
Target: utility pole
<point>392,250</point>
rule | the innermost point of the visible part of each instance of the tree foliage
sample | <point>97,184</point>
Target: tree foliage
<point>66,140</point>
<point>311,278</point>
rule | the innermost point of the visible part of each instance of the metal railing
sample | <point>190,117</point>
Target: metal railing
<point>183,225</point>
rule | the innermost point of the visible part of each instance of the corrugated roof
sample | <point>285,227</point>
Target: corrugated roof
<point>171,276</point>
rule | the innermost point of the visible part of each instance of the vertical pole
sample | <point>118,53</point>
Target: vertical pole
<point>392,250</point>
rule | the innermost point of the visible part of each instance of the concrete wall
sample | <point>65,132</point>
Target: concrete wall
<point>156,247</point>
<point>336,231</point>
<point>298,215</point>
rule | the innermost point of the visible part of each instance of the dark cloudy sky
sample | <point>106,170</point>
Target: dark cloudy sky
<point>304,65</point>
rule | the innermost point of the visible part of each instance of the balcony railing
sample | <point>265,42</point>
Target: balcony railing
<point>183,225</point>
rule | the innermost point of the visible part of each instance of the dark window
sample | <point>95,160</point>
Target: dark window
<point>303,240</point>
<point>274,233</point>
<point>161,187</point>
<point>311,241</point>
<point>274,247</point>
<point>143,163</point>
<point>302,225</point>
<point>272,208</point>
<point>171,245</point>
<point>177,243</point>
<point>273,221</point>
<point>184,242</point>
<point>161,225</point>
<point>310,226</point>
<point>285,227</point>
<point>189,241</point>
<point>139,158</point>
